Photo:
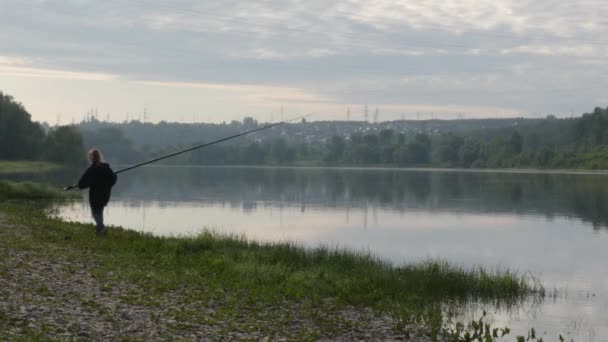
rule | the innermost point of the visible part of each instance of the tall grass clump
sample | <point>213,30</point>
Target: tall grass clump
<point>12,167</point>
<point>30,191</point>
<point>286,270</point>
<point>354,277</point>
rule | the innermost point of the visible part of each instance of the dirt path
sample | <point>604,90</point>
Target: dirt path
<point>48,294</point>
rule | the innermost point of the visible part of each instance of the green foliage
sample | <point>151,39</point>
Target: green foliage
<point>517,142</point>
<point>482,331</point>
<point>531,143</point>
<point>446,152</point>
<point>470,152</point>
<point>64,145</point>
<point>30,191</point>
<point>12,167</point>
<point>22,139</point>
<point>553,143</point>
<point>113,143</point>
<point>335,149</point>
<point>281,153</point>
<point>546,143</point>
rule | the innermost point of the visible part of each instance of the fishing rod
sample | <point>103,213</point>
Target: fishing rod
<point>202,145</point>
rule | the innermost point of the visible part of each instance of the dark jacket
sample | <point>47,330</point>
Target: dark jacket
<point>99,178</point>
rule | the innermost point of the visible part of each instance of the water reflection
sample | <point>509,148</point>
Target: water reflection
<point>550,195</point>
<point>537,223</point>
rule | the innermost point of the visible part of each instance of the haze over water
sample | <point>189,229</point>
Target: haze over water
<point>553,226</point>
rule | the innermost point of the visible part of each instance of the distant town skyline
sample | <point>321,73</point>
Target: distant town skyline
<point>189,61</point>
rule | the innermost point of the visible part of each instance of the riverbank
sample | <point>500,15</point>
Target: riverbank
<point>51,291</point>
<point>14,167</point>
<point>60,281</point>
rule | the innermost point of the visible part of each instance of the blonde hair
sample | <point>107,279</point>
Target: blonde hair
<point>95,156</point>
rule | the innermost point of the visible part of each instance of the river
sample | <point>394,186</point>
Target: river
<point>550,225</point>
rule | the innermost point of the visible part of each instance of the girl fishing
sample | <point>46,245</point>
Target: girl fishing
<point>99,178</point>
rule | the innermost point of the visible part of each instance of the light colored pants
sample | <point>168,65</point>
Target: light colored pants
<point>98,217</point>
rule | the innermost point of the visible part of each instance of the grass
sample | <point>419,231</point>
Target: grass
<point>9,167</point>
<point>10,190</point>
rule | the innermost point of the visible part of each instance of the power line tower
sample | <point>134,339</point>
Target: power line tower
<point>365,114</point>
<point>348,114</point>
<point>376,115</point>
<point>145,114</point>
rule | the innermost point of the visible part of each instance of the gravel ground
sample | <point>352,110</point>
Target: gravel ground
<point>60,298</point>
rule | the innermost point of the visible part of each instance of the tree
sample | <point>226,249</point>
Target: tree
<point>517,142</point>
<point>364,154</point>
<point>401,155</point>
<point>254,154</point>
<point>415,152</point>
<point>371,140</point>
<point>64,145</point>
<point>532,141</point>
<point>250,123</point>
<point>20,138</point>
<point>545,156</point>
<point>498,153</point>
<point>386,137</point>
<point>386,154</point>
<point>282,153</point>
<point>113,143</point>
<point>335,149</point>
<point>356,138</point>
<point>447,151</point>
<point>469,152</point>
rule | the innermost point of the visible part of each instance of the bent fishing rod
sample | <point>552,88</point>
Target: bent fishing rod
<point>201,146</point>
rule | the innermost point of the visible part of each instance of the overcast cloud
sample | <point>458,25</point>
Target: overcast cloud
<point>226,59</point>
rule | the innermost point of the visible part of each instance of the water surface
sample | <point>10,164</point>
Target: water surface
<point>551,225</point>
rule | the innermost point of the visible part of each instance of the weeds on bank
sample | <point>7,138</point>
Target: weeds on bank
<point>10,190</point>
<point>482,331</point>
<point>11,167</point>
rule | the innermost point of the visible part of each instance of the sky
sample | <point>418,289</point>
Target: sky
<point>215,61</point>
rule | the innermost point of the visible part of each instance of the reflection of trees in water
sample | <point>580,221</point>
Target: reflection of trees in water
<point>580,196</point>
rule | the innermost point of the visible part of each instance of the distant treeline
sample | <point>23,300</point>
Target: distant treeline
<point>23,139</point>
<point>549,143</point>
<point>503,143</point>
<point>555,143</point>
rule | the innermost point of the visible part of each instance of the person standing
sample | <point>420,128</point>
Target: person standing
<point>99,179</point>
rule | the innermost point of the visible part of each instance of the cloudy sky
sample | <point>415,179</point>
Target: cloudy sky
<point>221,60</point>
